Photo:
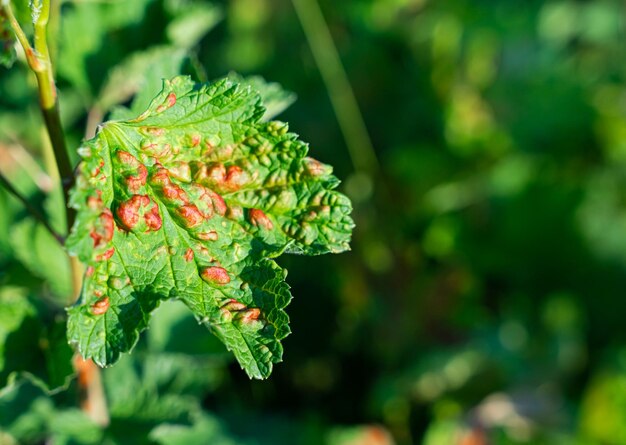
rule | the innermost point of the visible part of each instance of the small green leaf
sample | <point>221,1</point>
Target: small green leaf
<point>190,200</point>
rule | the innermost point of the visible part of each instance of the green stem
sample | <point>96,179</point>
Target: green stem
<point>35,213</point>
<point>19,33</point>
<point>38,59</point>
<point>339,89</point>
<point>94,401</point>
<point>54,23</point>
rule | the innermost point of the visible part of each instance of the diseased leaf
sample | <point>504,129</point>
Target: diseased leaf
<point>191,200</point>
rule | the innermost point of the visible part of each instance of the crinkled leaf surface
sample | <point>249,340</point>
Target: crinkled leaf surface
<point>191,200</point>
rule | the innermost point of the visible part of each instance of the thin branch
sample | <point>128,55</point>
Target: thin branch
<point>35,213</point>
<point>25,160</point>
<point>91,389</point>
<point>90,382</point>
<point>338,85</point>
<point>31,57</point>
<point>39,62</point>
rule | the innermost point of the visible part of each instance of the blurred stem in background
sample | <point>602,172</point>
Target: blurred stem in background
<point>339,89</point>
<point>38,58</point>
<point>34,212</point>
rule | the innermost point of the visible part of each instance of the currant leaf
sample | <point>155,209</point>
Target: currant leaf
<point>191,200</point>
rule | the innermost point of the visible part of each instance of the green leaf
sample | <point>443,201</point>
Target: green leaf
<point>190,200</point>
<point>275,98</point>
<point>14,309</point>
<point>73,426</point>
<point>205,429</point>
<point>28,415</point>
<point>6,218</point>
<point>33,246</point>
<point>173,329</point>
<point>148,390</point>
<point>141,71</point>
<point>86,26</point>
<point>24,411</point>
<point>133,395</point>
<point>193,23</point>
<point>30,344</point>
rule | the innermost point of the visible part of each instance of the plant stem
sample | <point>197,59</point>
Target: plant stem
<point>339,89</point>
<point>54,23</point>
<point>93,400</point>
<point>35,213</point>
<point>38,59</point>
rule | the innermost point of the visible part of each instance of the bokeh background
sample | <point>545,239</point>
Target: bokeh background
<point>483,144</point>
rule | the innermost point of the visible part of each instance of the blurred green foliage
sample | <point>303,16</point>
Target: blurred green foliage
<point>482,301</point>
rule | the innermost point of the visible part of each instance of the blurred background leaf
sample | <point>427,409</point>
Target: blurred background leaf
<point>483,299</point>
